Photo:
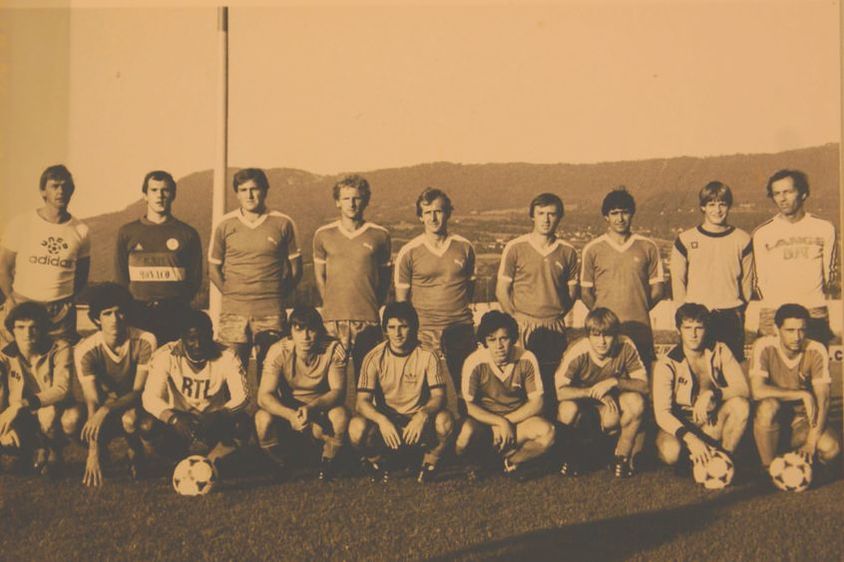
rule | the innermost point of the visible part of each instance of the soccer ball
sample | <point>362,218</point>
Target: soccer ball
<point>716,473</point>
<point>791,473</point>
<point>194,476</point>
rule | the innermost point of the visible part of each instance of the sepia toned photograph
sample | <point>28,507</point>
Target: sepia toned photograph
<point>350,280</point>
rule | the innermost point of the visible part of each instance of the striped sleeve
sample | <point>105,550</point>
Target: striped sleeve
<point>369,371</point>
<point>404,268</point>
<point>433,372</point>
<point>217,247</point>
<point>337,367</point>
<point>235,382</point>
<point>319,253</point>
<point>507,267</point>
<point>679,270</point>
<point>292,239</point>
<point>655,271</point>
<point>532,380</point>
<point>663,389</point>
<point>819,363</point>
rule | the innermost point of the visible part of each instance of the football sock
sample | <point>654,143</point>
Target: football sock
<point>274,453</point>
<point>766,439</point>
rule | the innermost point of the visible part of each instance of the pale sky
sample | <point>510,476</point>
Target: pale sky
<point>114,93</point>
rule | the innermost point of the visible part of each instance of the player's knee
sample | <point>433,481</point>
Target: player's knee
<point>632,405</point>
<point>738,409</point>
<point>668,449</point>
<point>70,421</point>
<point>263,421</point>
<point>766,411</point>
<point>567,412</point>
<point>545,435</point>
<point>47,420</point>
<point>129,420</point>
<point>357,430</point>
<point>339,419</point>
<point>829,447</point>
<point>443,423</point>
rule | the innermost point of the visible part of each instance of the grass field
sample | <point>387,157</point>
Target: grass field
<point>654,516</point>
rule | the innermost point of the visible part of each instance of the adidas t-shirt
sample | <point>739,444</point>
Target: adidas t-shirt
<point>46,255</point>
<point>401,383</point>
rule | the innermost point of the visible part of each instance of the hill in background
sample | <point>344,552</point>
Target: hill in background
<point>665,191</point>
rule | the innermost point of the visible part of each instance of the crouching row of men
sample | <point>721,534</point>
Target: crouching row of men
<point>190,395</point>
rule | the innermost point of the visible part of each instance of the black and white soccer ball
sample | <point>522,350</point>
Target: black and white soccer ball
<point>194,476</point>
<point>716,473</point>
<point>790,472</point>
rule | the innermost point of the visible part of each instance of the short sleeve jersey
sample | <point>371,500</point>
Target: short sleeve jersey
<point>159,261</point>
<point>353,264</point>
<point>769,361</point>
<point>46,255</point>
<point>793,260</point>
<point>439,280</point>
<point>176,383</point>
<point>46,379</point>
<point>301,382</point>
<point>540,277</point>
<point>712,269</point>
<point>114,370</point>
<point>401,383</point>
<point>255,263</point>
<point>582,368</point>
<point>497,390</point>
<point>622,275</point>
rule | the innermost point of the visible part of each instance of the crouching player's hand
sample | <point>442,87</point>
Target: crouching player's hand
<point>93,477</point>
<point>389,433</point>
<point>503,435</point>
<point>698,449</point>
<point>413,430</point>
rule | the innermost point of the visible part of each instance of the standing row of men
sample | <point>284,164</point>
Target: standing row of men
<point>254,260</point>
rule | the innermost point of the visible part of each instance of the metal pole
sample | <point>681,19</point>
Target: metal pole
<point>218,199</point>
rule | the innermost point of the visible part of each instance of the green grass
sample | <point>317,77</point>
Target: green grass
<point>654,516</point>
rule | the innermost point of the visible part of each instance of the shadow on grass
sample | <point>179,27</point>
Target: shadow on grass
<point>609,539</point>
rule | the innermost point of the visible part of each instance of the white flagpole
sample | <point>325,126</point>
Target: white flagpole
<point>218,198</point>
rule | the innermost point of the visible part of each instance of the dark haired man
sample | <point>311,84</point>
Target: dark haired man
<point>790,382</point>
<point>302,391</point>
<point>45,256</point>
<point>795,256</point>
<point>34,390</point>
<point>712,264</point>
<point>352,270</point>
<point>159,259</point>
<point>254,261</point>
<point>622,271</point>
<point>701,400</point>
<point>436,272</point>
<point>112,366</point>
<point>537,284</point>
<point>503,392</point>
<point>401,398</point>
<point>196,391</point>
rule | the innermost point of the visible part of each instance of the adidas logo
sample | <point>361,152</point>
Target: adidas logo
<point>138,247</point>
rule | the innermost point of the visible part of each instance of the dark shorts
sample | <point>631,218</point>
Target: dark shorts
<point>212,428</point>
<point>727,325</point>
<point>162,318</point>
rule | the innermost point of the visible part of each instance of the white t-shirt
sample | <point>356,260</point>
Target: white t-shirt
<point>47,255</point>
<point>793,260</point>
